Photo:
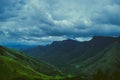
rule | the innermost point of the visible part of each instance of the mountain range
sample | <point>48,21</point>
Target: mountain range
<point>97,59</point>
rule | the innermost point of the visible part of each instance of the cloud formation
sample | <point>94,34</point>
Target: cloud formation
<point>44,21</point>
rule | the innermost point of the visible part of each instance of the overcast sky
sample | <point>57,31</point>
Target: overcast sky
<point>44,21</point>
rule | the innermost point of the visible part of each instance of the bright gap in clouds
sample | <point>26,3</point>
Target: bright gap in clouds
<point>44,21</point>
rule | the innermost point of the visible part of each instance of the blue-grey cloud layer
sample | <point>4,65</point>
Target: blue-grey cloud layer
<point>43,21</point>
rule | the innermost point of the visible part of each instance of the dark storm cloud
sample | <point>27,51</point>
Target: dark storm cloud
<point>9,8</point>
<point>43,21</point>
<point>110,15</point>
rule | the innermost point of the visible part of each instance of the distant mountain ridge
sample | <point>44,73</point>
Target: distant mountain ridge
<point>64,53</point>
<point>19,46</point>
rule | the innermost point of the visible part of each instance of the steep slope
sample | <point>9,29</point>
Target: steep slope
<point>17,66</point>
<point>12,70</point>
<point>108,59</point>
<point>104,66</point>
<point>62,53</point>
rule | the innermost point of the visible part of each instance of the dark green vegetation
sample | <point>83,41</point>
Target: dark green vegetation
<point>103,66</point>
<point>17,66</point>
<point>98,59</point>
<point>68,53</point>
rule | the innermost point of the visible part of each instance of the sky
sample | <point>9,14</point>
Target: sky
<point>40,22</point>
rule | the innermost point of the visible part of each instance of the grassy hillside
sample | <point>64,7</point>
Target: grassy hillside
<point>17,66</point>
<point>12,70</point>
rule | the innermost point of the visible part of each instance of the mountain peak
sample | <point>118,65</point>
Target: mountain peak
<point>67,41</point>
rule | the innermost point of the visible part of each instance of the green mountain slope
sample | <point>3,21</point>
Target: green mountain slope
<point>17,66</point>
<point>108,59</point>
<point>104,66</point>
<point>12,70</point>
<point>64,54</point>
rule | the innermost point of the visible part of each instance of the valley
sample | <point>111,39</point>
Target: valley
<point>98,59</point>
